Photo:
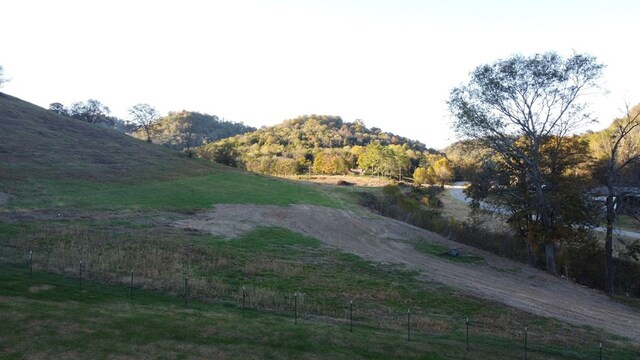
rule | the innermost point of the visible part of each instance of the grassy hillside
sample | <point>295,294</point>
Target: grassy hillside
<point>39,144</point>
<point>52,161</point>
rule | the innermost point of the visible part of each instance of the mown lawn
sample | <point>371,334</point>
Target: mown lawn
<point>188,193</point>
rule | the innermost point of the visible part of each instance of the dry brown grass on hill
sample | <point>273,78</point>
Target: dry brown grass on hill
<point>38,143</point>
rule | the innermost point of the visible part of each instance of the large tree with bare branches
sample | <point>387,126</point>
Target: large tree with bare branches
<point>144,115</point>
<point>523,108</point>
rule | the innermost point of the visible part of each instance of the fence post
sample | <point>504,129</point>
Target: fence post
<point>408,325</point>
<point>131,285</point>
<point>600,351</point>
<point>525,343</point>
<point>467,323</point>
<point>295,307</point>
<point>186,292</point>
<point>80,275</point>
<point>31,264</point>
<point>243,301</point>
<point>350,315</point>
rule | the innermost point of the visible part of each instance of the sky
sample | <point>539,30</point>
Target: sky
<point>390,63</point>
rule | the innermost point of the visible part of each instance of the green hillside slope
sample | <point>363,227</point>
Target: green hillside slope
<point>52,161</point>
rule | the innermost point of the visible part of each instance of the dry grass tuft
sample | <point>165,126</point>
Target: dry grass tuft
<point>39,288</point>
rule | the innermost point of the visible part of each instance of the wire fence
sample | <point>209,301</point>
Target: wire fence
<point>119,282</point>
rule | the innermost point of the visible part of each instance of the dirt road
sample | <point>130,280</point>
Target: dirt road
<point>389,241</point>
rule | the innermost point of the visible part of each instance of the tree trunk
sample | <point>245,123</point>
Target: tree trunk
<point>544,213</point>
<point>608,244</point>
<point>608,266</point>
<point>550,253</point>
<point>531,256</point>
<point>546,222</point>
<point>148,131</point>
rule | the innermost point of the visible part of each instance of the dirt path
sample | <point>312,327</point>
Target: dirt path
<point>386,240</point>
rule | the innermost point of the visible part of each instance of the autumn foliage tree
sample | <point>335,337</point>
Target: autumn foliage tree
<point>523,109</point>
<point>330,163</point>
<point>424,175</point>
<point>443,171</point>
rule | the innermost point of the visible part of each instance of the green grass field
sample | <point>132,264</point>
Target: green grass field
<point>272,264</point>
<point>221,186</point>
<point>50,316</point>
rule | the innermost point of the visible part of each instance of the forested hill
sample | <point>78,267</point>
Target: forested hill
<point>323,143</point>
<point>184,130</point>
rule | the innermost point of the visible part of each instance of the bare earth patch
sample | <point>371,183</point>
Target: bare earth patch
<point>359,180</point>
<point>389,241</point>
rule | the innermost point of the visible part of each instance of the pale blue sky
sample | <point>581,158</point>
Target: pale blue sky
<point>389,63</point>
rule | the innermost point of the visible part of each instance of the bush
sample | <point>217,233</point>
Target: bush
<point>584,261</point>
<point>626,277</point>
<point>408,208</point>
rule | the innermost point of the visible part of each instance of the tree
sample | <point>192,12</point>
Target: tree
<point>93,112</point>
<point>371,159</point>
<point>58,108</point>
<point>620,149</point>
<point>3,79</point>
<point>187,133</point>
<point>420,176</point>
<point>517,106</point>
<point>223,152</point>
<point>400,159</point>
<point>443,169</point>
<point>330,163</point>
<point>467,158</point>
<point>144,115</point>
